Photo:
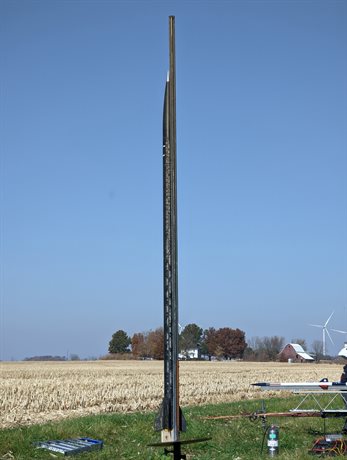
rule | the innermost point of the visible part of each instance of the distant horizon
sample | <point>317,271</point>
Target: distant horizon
<point>78,357</point>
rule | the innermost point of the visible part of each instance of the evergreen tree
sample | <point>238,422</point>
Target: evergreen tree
<point>119,343</point>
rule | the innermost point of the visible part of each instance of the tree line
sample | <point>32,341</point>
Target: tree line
<point>225,343</point>
<point>211,343</point>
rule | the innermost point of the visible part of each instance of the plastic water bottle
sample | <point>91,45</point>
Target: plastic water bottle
<point>272,441</point>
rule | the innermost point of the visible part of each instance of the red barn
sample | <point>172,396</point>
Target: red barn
<point>294,352</point>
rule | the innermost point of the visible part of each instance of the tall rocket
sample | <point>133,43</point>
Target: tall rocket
<point>170,420</point>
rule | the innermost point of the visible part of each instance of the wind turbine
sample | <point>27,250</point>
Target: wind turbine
<point>325,331</point>
<point>341,332</point>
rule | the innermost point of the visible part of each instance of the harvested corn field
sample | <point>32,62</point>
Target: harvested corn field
<point>35,392</point>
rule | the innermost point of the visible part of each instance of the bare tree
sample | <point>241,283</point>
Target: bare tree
<point>301,342</point>
<point>266,348</point>
<point>155,341</point>
<point>317,348</point>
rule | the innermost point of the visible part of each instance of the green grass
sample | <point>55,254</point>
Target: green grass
<point>126,436</point>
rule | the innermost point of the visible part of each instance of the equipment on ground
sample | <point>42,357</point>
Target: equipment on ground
<point>254,416</point>
<point>70,446</point>
<point>323,384</point>
<point>324,398</point>
<point>331,445</point>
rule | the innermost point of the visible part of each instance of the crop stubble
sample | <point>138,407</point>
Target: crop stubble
<point>34,392</point>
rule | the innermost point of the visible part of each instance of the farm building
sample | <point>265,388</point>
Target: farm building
<point>190,354</point>
<point>343,351</point>
<point>294,352</point>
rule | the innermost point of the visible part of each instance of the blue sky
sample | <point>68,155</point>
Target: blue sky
<point>262,169</point>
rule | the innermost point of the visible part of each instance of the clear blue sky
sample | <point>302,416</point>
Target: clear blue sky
<point>262,169</point>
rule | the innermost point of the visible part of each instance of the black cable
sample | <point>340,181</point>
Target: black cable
<point>262,444</point>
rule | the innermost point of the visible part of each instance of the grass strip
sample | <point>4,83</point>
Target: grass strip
<point>126,436</point>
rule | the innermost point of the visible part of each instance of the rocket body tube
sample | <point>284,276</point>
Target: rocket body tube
<point>170,419</point>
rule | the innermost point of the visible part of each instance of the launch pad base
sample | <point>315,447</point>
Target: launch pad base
<point>176,446</point>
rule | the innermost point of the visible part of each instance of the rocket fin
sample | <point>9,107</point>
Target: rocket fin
<point>163,420</point>
<point>183,423</point>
